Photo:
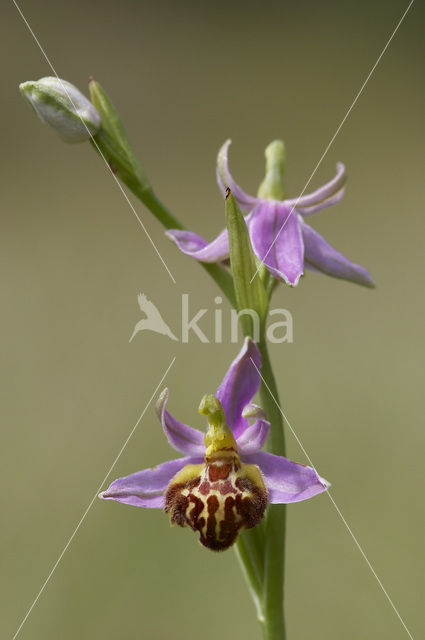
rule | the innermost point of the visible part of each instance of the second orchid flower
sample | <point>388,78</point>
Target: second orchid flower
<point>280,237</point>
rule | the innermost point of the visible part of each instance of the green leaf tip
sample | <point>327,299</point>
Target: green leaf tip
<point>251,296</point>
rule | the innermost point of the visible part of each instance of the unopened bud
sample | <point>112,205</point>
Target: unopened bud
<point>62,106</point>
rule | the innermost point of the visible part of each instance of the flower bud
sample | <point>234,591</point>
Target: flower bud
<point>62,106</point>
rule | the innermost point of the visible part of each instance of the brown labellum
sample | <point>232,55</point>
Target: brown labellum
<point>222,500</point>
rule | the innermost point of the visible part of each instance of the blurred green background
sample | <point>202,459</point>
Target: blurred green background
<point>186,76</point>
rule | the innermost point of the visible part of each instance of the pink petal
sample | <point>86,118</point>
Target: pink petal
<point>321,256</point>
<point>180,436</point>
<point>286,481</point>
<point>322,195</point>
<point>146,488</point>
<point>225,179</point>
<point>239,386</point>
<point>255,436</point>
<point>277,241</point>
<point>329,202</point>
<point>193,245</point>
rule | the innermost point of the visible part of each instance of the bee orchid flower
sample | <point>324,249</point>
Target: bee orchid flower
<point>224,482</point>
<point>280,237</point>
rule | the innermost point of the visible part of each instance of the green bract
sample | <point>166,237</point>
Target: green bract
<point>249,288</point>
<point>113,141</point>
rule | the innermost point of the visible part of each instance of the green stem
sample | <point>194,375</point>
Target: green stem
<point>253,541</point>
<point>246,550</point>
<point>275,521</point>
<point>155,206</point>
<point>270,403</point>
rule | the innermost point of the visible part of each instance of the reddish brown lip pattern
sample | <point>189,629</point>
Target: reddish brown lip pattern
<point>219,503</point>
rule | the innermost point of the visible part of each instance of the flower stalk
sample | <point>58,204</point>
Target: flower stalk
<point>268,541</point>
<point>275,520</point>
